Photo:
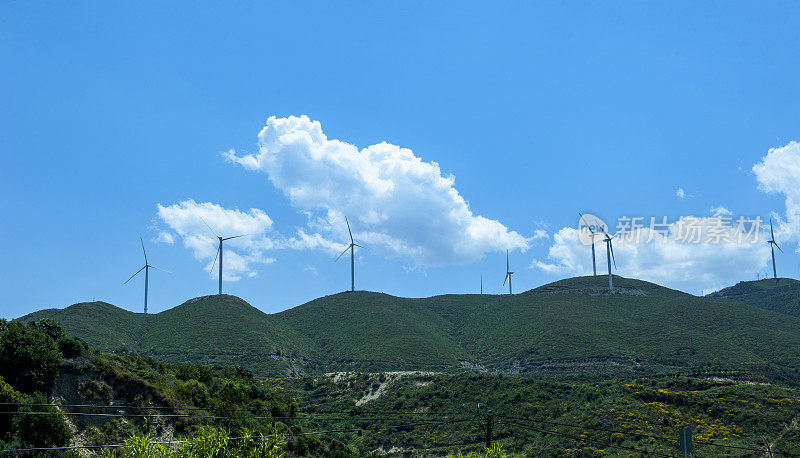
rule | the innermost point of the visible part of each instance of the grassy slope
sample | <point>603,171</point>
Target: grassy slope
<point>566,322</point>
<point>346,326</point>
<point>100,324</point>
<point>781,296</point>
<point>555,322</point>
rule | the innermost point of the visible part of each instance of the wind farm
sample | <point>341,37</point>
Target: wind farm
<point>236,138</point>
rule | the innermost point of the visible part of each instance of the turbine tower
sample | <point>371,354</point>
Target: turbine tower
<point>509,273</point>
<point>351,247</point>
<point>219,251</point>
<point>610,257</point>
<point>481,284</point>
<point>593,233</point>
<point>146,269</point>
<point>772,245</point>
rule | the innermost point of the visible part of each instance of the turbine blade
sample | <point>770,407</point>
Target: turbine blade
<point>348,230</point>
<point>505,279</point>
<point>355,244</point>
<point>137,273</point>
<point>209,227</point>
<point>143,250</point>
<point>154,267</point>
<point>215,260</point>
<point>776,245</point>
<point>587,226</point>
<point>611,245</point>
<point>507,265</point>
<point>343,252</point>
<point>771,232</point>
<point>236,236</point>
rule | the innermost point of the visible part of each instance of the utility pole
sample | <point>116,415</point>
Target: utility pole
<point>489,418</point>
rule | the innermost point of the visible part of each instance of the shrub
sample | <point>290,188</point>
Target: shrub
<point>30,430</point>
<point>193,392</point>
<point>29,358</point>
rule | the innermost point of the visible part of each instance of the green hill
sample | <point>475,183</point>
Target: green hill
<point>571,327</point>
<point>781,295</point>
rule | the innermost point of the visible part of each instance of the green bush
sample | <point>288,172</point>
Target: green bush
<point>193,392</point>
<point>29,357</point>
<point>71,347</point>
<point>25,430</point>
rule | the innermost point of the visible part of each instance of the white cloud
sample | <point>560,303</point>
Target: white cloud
<point>165,237</point>
<point>397,203</point>
<point>667,258</point>
<point>540,234</point>
<point>720,211</point>
<point>310,269</point>
<point>696,267</point>
<point>240,254</point>
<point>779,172</point>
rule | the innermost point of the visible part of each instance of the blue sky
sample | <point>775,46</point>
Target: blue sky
<point>538,109</point>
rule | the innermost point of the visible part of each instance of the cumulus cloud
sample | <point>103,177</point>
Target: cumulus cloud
<point>696,254</point>
<point>184,220</point>
<point>720,211</point>
<point>779,172</point>
<point>397,203</point>
<point>680,193</point>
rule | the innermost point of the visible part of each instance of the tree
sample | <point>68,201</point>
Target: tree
<point>29,358</point>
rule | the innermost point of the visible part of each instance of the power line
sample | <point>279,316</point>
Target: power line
<point>214,417</point>
<point>633,433</point>
<point>585,439</point>
<point>252,409</point>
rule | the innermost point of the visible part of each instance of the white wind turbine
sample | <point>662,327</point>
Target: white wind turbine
<point>509,273</point>
<point>592,235</point>
<point>772,245</point>
<point>610,257</point>
<point>219,251</point>
<point>352,249</point>
<point>146,269</point>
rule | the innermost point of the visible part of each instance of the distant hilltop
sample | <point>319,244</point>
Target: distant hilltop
<point>573,327</point>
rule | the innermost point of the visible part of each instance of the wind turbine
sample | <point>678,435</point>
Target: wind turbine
<point>593,233</point>
<point>146,269</point>
<point>508,274</point>
<point>481,284</point>
<point>350,247</point>
<point>610,256</point>
<point>219,251</point>
<point>772,245</point>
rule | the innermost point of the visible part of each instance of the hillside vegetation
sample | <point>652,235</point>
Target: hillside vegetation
<point>781,295</point>
<point>57,392</point>
<point>570,328</point>
<point>635,417</point>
